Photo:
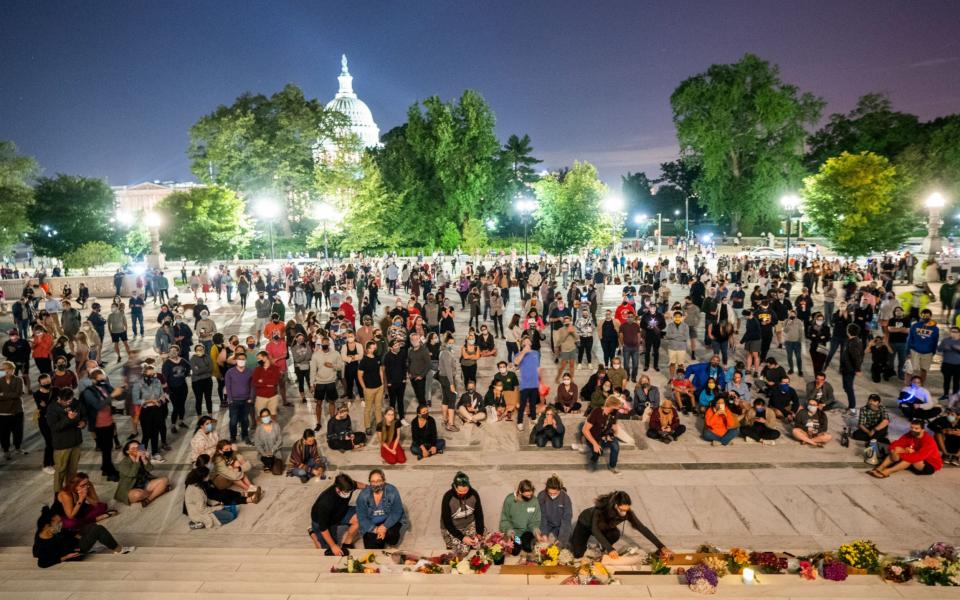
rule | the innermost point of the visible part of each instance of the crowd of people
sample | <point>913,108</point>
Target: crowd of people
<point>362,332</point>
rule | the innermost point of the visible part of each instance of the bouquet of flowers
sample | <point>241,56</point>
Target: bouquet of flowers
<point>494,553</point>
<point>657,566</point>
<point>860,554</point>
<point>590,573</point>
<point>768,562</point>
<point>550,555</point>
<point>807,570</point>
<point>737,559</point>
<point>897,572</point>
<point>367,564</point>
<point>834,570</point>
<point>495,538</point>
<point>478,563</point>
<point>717,564</point>
<point>701,579</point>
<point>938,565</point>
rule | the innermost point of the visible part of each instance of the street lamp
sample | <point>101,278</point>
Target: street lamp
<point>267,209</point>
<point>325,213</point>
<point>525,206</point>
<point>638,220</point>
<point>932,244</point>
<point>790,202</point>
<point>153,221</point>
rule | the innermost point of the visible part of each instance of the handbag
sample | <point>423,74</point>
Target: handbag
<point>277,466</point>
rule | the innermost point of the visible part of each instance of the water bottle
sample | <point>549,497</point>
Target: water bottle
<point>845,438</point>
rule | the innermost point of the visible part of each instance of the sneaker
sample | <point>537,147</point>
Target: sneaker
<point>318,427</point>
<point>247,441</point>
<point>769,442</point>
<point>49,470</point>
<point>614,470</point>
<point>574,446</point>
<point>750,440</point>
<point>8,455</point>
<point>133,436</point>
<point>713,443</point>
<point>158,459</point>
<point>126,550</point>
<point>853,412</point>
<point>173,429</point>
<point>304,478</point>
<point>194,525</point>
<point>166,447</point>
<point>519,426</point>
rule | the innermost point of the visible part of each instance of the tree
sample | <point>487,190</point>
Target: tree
<point>933,161</point>
<point>204,223</point>
<point>871,126</point>
<point>91,254</point>
<point>265,144</point>
<point>637,191</point>
<point>69,211</point>
<point>16,173</point>
<point>137,240</point>
<point>374,218</point>
<point>474,236</point>
<point>517,161</point>
<point>744,128</point>
<point>444,162</point>
<point>569,212</point>
<point>854,201</point>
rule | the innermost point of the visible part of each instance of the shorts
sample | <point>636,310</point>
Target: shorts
<point>259,324</point>
<point>325,391</point>
<point>21,368</point>
<point>693,332</point>
<point>118,337</point>
<point>676,357</point>
<point>921,361</point>
<point>752,346</point>
<point>571,355</point>
<point>778,328</point>
<point>926,470</point>
<point>135,410</point>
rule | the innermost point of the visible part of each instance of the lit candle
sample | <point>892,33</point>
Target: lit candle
<point>748,576</point>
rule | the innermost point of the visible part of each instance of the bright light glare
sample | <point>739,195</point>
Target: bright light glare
<point>325,212</point>
<point>139,270</point>
<point>935,200</point>
<point>790,201</point>
<point>613,204</point>
<point>639,219</point>
<point>152,220</point>
<point>124,218</point>
<point>676,212</point>
<point>526,205</point>
<point>266,208</point>
<point>491,224</point>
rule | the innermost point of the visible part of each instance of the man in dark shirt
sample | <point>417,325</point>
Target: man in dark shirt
<point>653,325</point>
<point>630,346</point>
<point>370,372</point>
<point>898,328</point>
<point>395,369</point>
<point>600,432</point>
<point>768,321</point>
<point>331,512</point>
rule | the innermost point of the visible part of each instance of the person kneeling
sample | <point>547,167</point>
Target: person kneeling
<point>759,424</point>
<point>306,461</point>
<point>603,520</point>
<point>810,426</point>
<point>520,518</point>
<point>916,450</point>
<point>665,422</point>
<point>549,428</point>
<point>379,512</point>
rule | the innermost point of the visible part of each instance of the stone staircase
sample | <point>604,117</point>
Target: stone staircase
<point>287,574</point>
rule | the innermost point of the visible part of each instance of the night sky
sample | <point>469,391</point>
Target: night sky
<point>109,89</point>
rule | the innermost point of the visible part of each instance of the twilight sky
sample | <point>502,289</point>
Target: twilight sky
<point>110,88</point>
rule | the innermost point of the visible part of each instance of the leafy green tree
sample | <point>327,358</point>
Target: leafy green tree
<point>871,126</point>
<point>568,215</point>
<point>475,236</point>
<point>16,174</point>
<point>516,158</point>
<point>137,240</point>
<point>444,162</point>
<point>69,211</point>
<point>744,128</point>
<point>854,201</point>
<point>637,191</point>
<point>933,160</point>
<point>263,144</point>
<point>374,218</point>
<point>204,223</point>
<point>678,184</point>
<point>91,254</point>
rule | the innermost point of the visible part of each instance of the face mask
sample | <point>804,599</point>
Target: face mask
<point>56,527</point>
<point>622,513</point>
<point>324,347</point>
<point>784,387</point>
<point>553,495</point>
<point>812,408</point>
<point>376,487</point>
<point>62,366</point>
<point>261,362</point>
<point>677,321</point>
<point>916,434</point>
<point>344,495</point>
<point>819,321</point>
<point>265,420</point>
<point>711,386</point>
<point>228,454</point>
<point>952,418</point>
<point>251,345</point>
<point>208,427</point>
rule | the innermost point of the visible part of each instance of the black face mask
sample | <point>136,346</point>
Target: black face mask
<point>228,454</point>
<point>261,362</point>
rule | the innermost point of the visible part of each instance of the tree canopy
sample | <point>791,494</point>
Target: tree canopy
<point>744,128</point>
<point>517,160</point>
<point>569,215</point>
<point>204,223</point>
<point>69,211</point>
<point>91,254</point>
<point>16,174</point>
<point>854,201</point>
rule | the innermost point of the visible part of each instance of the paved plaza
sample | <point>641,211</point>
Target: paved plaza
<point>785,497</point>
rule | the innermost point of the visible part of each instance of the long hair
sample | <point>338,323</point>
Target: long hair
<point>607,505</point>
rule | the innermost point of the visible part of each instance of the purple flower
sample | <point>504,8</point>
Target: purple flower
<point>698,572</point>
<point>834,571</point>
<point>943,550</point>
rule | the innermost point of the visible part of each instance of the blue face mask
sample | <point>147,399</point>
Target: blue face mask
<point>784,387</point>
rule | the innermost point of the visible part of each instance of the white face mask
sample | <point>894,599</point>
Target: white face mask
<point>812,408</point>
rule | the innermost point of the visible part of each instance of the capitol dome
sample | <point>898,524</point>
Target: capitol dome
<point>347,103</point>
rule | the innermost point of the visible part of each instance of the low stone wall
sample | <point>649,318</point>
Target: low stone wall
<point>101,286</point>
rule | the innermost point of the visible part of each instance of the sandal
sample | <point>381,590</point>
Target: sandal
<point>145,502</point>
<point>112,512</point>
<point>877,474</point>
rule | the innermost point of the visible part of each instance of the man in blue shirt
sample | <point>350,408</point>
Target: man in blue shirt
<point>528,362</point>
<point>379,512</point>
<point>922,342</point>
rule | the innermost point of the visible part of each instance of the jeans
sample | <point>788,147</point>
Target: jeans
<point>585,348</point>
<point>835,344</point>
<point>651,345</point>
<point>613,445</point>
<point>440,446</point>
<point>900,351</point>
<point>311,464</point>
<point>104,442</point>
<point>512,351</point>
<point>151,423</point>
<point>238,414</point>
<point>551,435</point>
<point>137,317</point>
<point>721,348</point>
<point>793,351</point>
<point>528,399</point>
<point>226,514</point>
<point>848,388</point>
<point>11,425</point>
<point>631,361</point>
<point>96,533</point>
<point>724,439</point>
<point>951,378</point>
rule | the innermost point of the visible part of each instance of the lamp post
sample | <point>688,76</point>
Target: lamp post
<point>153,221</point>
<point>659,232</point>
<point>267,210</point>
<point>525,207</point>
<point>325,213</point>
<point>932,243</point>
<point>638,221</point>
<point>789,202</point>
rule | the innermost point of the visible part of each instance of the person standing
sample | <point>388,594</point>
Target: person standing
<point>629,342</point>
<point>418,368</point>
<point>175,371</point>
<point>325,365</point>
<point>371,375</point>
<point>11,410</point>
<point>395,372</point>
<point>266,377</point>
<point>66,428</point>
<point>136,313</point>
<point>201,379</point>
<point>98,400</point>
<point>528,364</point>
<point>922,342</point>
<point>851,360</point>
<point>44,397</point>
<point>653,325</point>
<point>117,324</point>
<point>238,383</point>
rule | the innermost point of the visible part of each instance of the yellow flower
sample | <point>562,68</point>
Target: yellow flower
<point>553,552</point>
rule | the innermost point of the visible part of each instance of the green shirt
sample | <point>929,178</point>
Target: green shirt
<point>520,516</point>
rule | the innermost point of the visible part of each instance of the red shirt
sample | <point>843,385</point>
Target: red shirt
<point>621,313</point>
<point>265,381</point>
<point>924,449</point>
<point>278,353</point>
<point>349,313</point>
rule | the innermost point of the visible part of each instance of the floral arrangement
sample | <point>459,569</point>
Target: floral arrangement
<point>495,553</point>
<point>768,562</point>
<point>367,564</point>
<point>808,570</point>
<point>717,564</point>
<point>834,570</point>
<point>478,563</point>
<point>496,538</point>
<point>938,565</point>
<point>590,573</point>
<point>860,554</point>
<point>657,566</point>
<point>737,560</point>
<point>701,579</point>
<point>897,572</point>
<point>551,555</point>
